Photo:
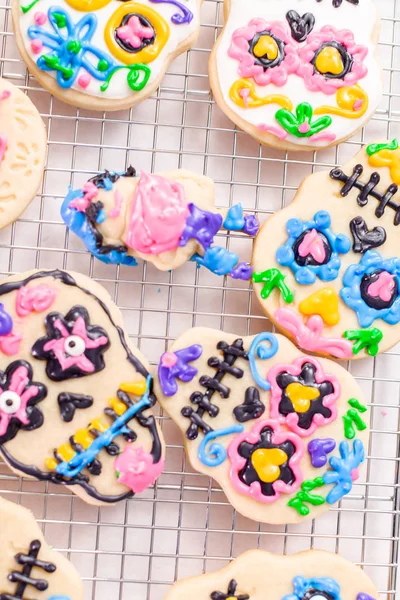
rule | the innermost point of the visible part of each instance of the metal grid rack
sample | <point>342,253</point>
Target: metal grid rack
<point>135,550</point>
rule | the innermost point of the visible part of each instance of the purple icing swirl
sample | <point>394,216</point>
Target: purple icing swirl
<point>175,365</point>
<point>178,19</point>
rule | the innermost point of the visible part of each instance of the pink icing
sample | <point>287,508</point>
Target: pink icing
<point>245,93</point>
<point>90,192</point>
<point>134,32</point>
<point>9,344</point>
<point>36,46</point>
<point>358,104</point>
<point>238,462</point>
<point>279,133</point>
<point>116,211</point>
<point>158,215</point>
<point>34,299</point>
<point>355,474</point>
<point>309,335</point>
<point>323,137</point>
<point>304,127</point>
<point>292,419</point>
<point>40,18</point>
<point>314,246</point>
<point>19,381</point>
<point>169,359</point>
<point>4,95</point>
<point>3,147</point>
<point>136,469</point>
<point>383,287</point>
<point>84,80</point>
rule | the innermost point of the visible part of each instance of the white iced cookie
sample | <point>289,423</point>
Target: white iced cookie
<point>75,396</point>
<point>256,575</point>
<point>103,54</point>
<point>29,568</point>
<point>298,74</point>
<point>23,143</point>
<point>327,267</point>
<point>283,433</point>
<point>165,219</point>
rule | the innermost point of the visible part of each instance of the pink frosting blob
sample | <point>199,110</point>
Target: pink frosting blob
<point>84,80</point>
<point>313,245</point>
<point>158,215</point>
<point>36,46</point>
<point>134,32</point>
<point>383,287</point>
<point>34,299</point>
<point>136,469</point>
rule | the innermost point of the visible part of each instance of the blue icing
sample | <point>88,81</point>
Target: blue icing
<point>218,260</point>
<point>216,454</point>
<point>101,217</point>
<point>59,598</point>
<point>351,292</point>
<point>342,470</point>
<point>301,585</point>
<point>76,221</point>
<point>263,352</point>
<point>307,275</point>
<point>234,220</point>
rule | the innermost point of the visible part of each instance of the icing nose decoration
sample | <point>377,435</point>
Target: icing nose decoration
<point>329,61</point>
<point>266,46</point>
<point>313,245</point>
<point>267,463</point>
<point>301,396</point>
<point>383,287</point>
<point>325,303</point>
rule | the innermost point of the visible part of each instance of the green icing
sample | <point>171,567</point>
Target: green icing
<point>365,338</point>
<point>54,63</point>
<point>292,123</point>
<point>273,278</point>
<point>374,148</point>
<point>137,78</point>
<point>305,496</point>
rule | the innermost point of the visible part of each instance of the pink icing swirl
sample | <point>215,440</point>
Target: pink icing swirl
<point>158,215</point>
<point>134,32</point>
<point>383,287</point>
<point>313,245</point>
<point>34,299</point>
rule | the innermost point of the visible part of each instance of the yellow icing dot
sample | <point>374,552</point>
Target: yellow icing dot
<point>390,159</point>
<point>301,396</point>
<point>87,5</point>
<point>266,46</point>
<point>97,424</point>
<point>329,61</point>
<point>66,452</point>
<point>266,462</point>
<point>137,388</point>
<point>83,437</point>
<point>118,406</point>
<point>51,464</point>
<point>325,303</point>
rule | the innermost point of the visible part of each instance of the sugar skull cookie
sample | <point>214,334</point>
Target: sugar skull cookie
<point>283,433</point>
<point>75,397</point>
<point>256,575</point>
<point>330,278</point>
<point>23,144</point>
<point>103,54</point>
<point>165,219</point>
<point>29,568</point>
<point>298,74</point>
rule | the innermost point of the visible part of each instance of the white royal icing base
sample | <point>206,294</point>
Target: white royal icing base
<point>360,19</point>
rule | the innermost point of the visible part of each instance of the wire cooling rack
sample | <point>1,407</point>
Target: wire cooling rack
<point>183,526</point>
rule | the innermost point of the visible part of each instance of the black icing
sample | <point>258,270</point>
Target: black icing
<point>366,239</point>
<point>300,26</point>
<point>308,261</point>
<point>347,60</point>
<point>69,402</point>
<point>264,61</point>
<point>252,407</point>
<point>376,302</point>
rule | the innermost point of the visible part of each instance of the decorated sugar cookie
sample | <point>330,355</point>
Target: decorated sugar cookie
<point>298,74</point>
<point>327,267</point>
<point>75,397</point>
<point>283,433</point>
<point>29,568</point>
<point>103,54</point>
<point>256,575</point>
<point>165,219</point>
<point>23,143</point>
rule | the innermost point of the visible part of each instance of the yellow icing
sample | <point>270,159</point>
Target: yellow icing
<point>117,406</point>
<point>390,159</point>
<point>87,5</point>
<point>253,100</point>
<point>66,452</point>
<point>266,46</point>
<point>329,61</point>
<point>83,437</point>
<point>325,303</point>
<point>301,396</point>
<point>51,464</point>
<point>137,388</point>
<point>266,462</point>
<point>150,52</point>
<point>348,99</point>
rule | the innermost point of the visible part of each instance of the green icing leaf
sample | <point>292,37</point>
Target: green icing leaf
<point>301,124</point>
<point>374,148</point>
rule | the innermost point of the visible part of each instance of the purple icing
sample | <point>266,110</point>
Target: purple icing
<point>251,225</point>
<point>319,449</point>
<point>174,365</point>
<point>242,271</point>
<point>201,225</point>
<point>178,19</point>
<point>363,596</point>
<point>6,322</point>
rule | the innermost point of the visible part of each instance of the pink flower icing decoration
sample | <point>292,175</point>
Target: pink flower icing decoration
<point>136,469</point>
<point>34,299</point>
<point>248,67</point>
<point>315,81</point>
<point>133,33</point>
<point>265,435</point>
<point>307,375</point>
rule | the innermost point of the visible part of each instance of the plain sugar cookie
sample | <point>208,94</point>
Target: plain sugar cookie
<point>298,74</point>
<point>327,267</point>
<point>75,396</point>
<point>29,568</point>
<point>23,143</point>
<point>257,575</point>
<point>165,218</point>
<point>103,54</point>
<point>283,433</point>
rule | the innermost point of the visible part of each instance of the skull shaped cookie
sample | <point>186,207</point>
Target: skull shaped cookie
<point>283,433</point>
<point>28,566</point>
<point>103,54</point>
<point>74,395</point>
<point>257,575</point>
<point>298,74</point>
<point>165,219</point>
<point>330,278</point>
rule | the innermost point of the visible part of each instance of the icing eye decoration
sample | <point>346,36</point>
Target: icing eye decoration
<point>330,59</point>
<point>264,462</point>
<point>265,51</point>
<point>303,396</point>
<point>316,588</point>
<point>372,287</point>
<point>312,249</point>
<point>18,397</point>
<point>135,33</point>
<point>72,347</point>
